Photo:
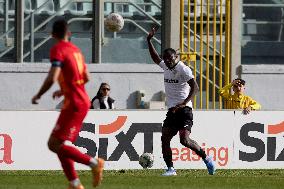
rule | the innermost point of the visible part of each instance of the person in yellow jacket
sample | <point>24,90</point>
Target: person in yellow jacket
<point>238,100</point>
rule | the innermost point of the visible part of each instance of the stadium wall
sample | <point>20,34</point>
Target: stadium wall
<point>19,82</point>
<point>265,83</point>
<point>234,140</point>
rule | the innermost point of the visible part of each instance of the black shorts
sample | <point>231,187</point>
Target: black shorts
<point>182,118</point>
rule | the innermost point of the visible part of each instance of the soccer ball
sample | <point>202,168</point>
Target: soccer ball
<point>146,160</point>
<point>114,22</point>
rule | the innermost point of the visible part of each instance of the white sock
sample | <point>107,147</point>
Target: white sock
<point>75,182</point>
<point>93,162</point>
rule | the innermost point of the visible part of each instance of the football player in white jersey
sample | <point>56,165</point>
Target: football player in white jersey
<point>180,89</point>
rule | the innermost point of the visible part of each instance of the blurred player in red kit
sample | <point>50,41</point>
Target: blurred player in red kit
<point>69,69</point>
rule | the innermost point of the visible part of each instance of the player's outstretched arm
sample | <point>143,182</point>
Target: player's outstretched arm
<point>52,77</point>
<point>154,55</point>
<point>225,91</point>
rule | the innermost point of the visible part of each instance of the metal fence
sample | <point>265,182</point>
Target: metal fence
<point>204,24</point>
<point>79,11</point>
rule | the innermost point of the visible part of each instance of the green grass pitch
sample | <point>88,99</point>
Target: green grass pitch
<point>148,179</point>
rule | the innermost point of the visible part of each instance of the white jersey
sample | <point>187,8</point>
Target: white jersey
<point>176,86</point>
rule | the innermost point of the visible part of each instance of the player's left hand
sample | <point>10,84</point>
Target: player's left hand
<point>178,106</point>
<point>247,110</point>
<point>35,99</point>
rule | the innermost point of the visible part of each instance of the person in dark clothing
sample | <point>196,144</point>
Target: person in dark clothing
<point>102,100</point>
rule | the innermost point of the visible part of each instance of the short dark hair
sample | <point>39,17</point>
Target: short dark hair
<point>169,51</point>
<point>59,28</point>
<point>243,82</point>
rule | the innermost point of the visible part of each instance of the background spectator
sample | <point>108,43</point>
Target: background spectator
<point>238,100</point>
<point>102,100</point>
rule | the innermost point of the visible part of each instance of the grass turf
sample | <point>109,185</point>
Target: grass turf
<point>151,179</point>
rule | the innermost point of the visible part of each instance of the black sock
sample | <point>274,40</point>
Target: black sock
<point>169,162</point>
<point>201,153</point>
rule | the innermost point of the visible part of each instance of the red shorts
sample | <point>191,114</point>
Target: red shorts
<point>69,124</point>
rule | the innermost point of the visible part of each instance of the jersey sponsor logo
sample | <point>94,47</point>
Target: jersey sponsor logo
<point>171,81</point>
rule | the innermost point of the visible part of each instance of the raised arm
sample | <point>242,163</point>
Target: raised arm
<point>154,55</point>
<point>225,91</point>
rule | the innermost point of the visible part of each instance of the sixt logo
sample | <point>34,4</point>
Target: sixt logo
<point>260,148</point>
<point>124,139</point>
